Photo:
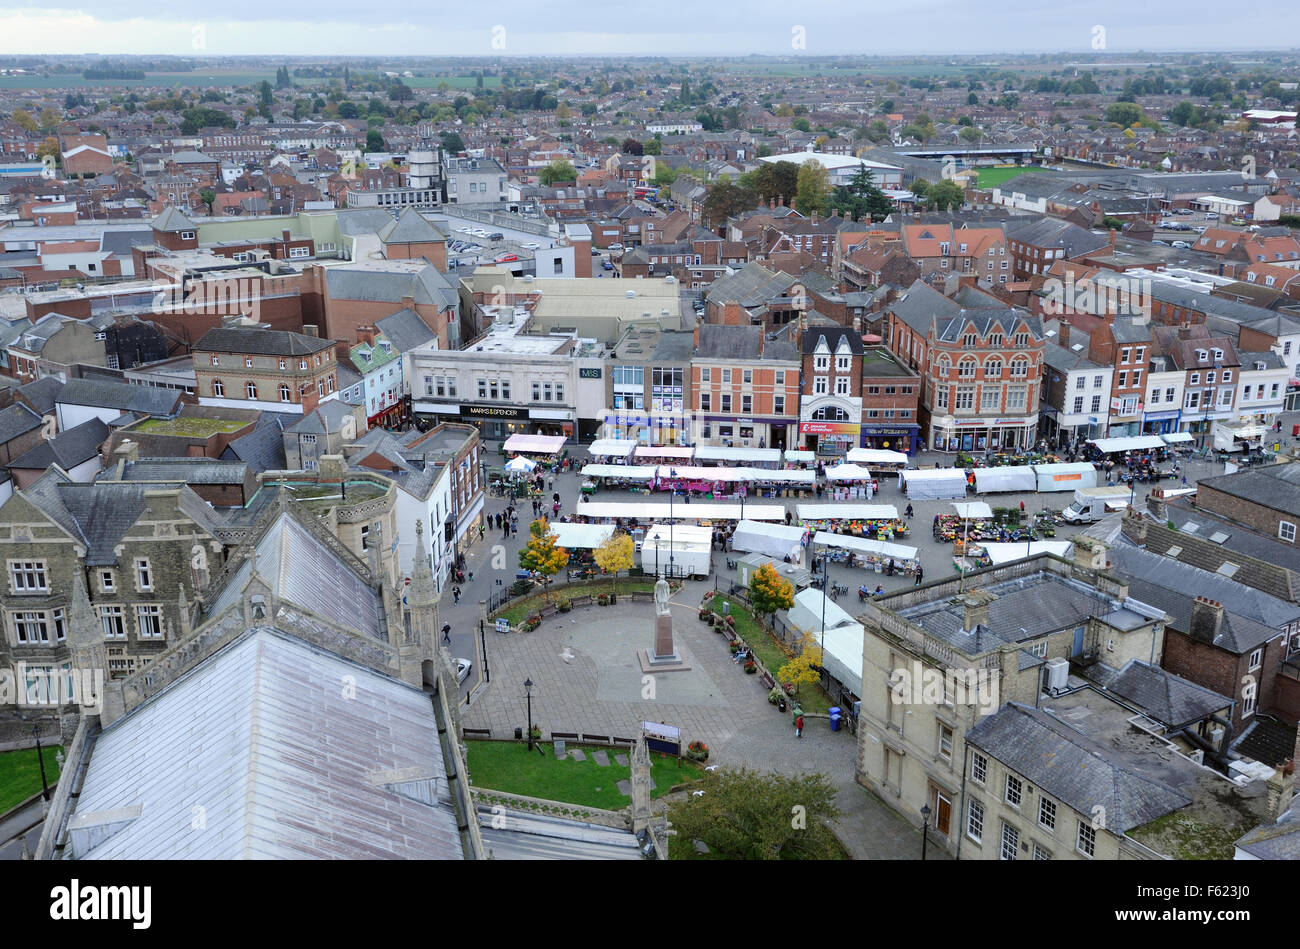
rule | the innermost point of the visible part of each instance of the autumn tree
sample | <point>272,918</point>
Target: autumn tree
<point>805,667</point>
<point>615,554</point>
<point>769,591</point>
<point>49,147</point>
<point>24,118</point>
<point>750,815</point>
<point>814,187</point>
<point>540,554</point>
<point>49,119</point>
<point>725,200</point>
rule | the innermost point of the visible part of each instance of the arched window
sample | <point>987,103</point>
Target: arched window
<point>1019,368</point>
<point>966,369</point>
<point>831,413</point>
<point>285,395</point>
<point>944,365</point>
<point>251,389</point>
<point>995,341</point>
<point>993,368</point>
<point>218,389</point>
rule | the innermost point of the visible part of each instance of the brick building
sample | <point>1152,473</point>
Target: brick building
<point>830,400</point>
<point>745,388</point>
<point>268,369</point>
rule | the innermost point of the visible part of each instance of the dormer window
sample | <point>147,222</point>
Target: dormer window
<point>1202,355</point>
<point>1218,354</point>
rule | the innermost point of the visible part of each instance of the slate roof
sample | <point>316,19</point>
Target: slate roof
<point>42,393</point>
<point>262,448</point>
<point>1072,768</point>
<point>17,420</point>
<point>291,766</point>
<point>186,470</point>
<point>326,417</point>
<point>1162,696</point>
<point>1053,232</point>
<point>1277,555</point>
<point>260,342</point>
<point>122,396</point>
<point>750,286</point>
<point>172,220</point>
<point>69,449</point>
<point>375,285</point>
<point>405,330</point>
<point>814,336</point>
<point>1272,486</point>
<point>1276,841</point>
<point>411,227</point>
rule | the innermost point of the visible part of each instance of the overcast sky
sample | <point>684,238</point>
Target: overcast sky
<point>582,27</point>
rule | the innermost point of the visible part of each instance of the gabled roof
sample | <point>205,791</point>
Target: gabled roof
<point>172,220</point>
<point>17,420</point>
<point>405,330</point>
<point>1169,699</point>
<point>262,449</point>
<point>1072,768</point>
<point>411,228</point>
<point>42,393</point>
<point>122,396</point>
<point>260,342</point>
<point>67,449</point>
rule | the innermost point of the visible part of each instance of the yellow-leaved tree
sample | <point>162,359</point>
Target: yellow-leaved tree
<point>805,667</point>
<point>541,554</point>
<point>615,554</point>
<point>769,591</point>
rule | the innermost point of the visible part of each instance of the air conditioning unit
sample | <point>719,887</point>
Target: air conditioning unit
<point>1216,737</point>
<point>1198,756</point>
<point>1056,674</point>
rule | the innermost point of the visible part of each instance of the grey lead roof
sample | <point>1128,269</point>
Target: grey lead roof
<point>69,449</point>
<point>17,420</point>
<point>1072,768</point>
<point>122,396</point>
<point>1162,696</point>
<point>285,762</point>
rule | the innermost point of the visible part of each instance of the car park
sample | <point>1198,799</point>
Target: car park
<point>498,236</point>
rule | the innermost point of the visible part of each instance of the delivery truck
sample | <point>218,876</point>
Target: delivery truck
<point>1092,504</point>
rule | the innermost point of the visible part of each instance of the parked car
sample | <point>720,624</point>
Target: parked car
<point>1181,245</point>
<point>498,236</point>
<point>532,245</point>
<point>606,265</point>
<point>463,667</point>
<point>506,258</point>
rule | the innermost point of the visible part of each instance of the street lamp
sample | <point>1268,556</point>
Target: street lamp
<point>528,690</point>
<point>925,826</point>
<point>45,787</point>
<point>672,475</point>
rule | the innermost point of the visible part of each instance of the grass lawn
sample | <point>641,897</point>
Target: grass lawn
<point>992,177</point>
<point>811,697</point>
<point>510,766</point>
<point>190,427</point>
<point>20,774</point>
<point>519,610</point>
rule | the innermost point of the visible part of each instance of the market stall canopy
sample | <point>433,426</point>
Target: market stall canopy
<point>1007,478</point>
<point>631,472</point>
<point>1005,553</point>
<point>806,614</point>
<point>731,475</point>
<point>842,655</point>
<point>519,464</point>
<point>1128,443</point>
<point>846,512</point>
<point>757,456</point>
<point>665,451</point>
<point>974,510</point>
<point>612,448</point>
<point>875,456</point>
<point>681,511</point>
<point>584,536</point>
<point>797,456</point>
<point>1066,476</point>
<point>534,444</point>
<point>848,473</point>
<point>1178,438</point>
<point>775,540</point>
<point>933,483</point>
<point>865,545</point>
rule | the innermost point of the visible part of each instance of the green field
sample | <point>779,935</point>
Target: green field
<point>20,775</point>
<point>456,82</point>
<point>992,177</point>
<point>510,766</point>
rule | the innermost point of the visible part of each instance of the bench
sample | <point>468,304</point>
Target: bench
<point>477,732</point>
<point>767,680</point>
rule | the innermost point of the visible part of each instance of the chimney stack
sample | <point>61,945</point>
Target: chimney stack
<point>1207,619</point>
<point>697,334</point>
<point>976,609</point>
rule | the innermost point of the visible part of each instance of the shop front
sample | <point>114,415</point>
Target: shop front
<point>732,432</point>
<point>498,421</point>
<point>830,438</point>
<point>904,438</point>
<point>647,428</point>
<point>983,434</point>
<point>1160,423</point>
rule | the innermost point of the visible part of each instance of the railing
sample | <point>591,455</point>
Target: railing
<point>620,820</point>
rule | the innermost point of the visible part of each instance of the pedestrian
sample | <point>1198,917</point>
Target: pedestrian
<point>909,512</point>
<point>920,572</point>
<point>471,576</point>
<point>1022,508</point>
<point>514,528</point>
<point>798,727</point>
<point>446,632</point>
<point>455,594</point>
<point>482,530</point>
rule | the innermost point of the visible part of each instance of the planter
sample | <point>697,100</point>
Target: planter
<point>750,668</point>
<point>697,751</point>
<point>564,606</point>
<point>603,599</point>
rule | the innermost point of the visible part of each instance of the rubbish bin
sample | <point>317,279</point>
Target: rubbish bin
<point>1295,431</point>
<point>519,734</point>
<point>835,714</point>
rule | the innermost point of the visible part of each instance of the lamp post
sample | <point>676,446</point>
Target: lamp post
<point>528,690</point>
<point>45,787</point>
<point>925,827</point>
<point>672,474</point>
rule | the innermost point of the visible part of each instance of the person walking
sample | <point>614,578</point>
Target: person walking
<point>482,530</point>
<point>446,632</point>
<point>1022,508</point>
<point>455,594</point>
<point>798,727</point>
<point>909,512</point>
<point>920,573</point>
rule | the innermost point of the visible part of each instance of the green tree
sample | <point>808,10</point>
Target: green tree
<point>1124,113</point>
<point>374,141</point>
<point>265,99</point>
<point>452,142</point>
<point>541,554</point>
<point>945,195</point>
<point>812,196</point>
<point>558,170</point>
<point>801,125</point>
<point>615,554</point>
<point>664,175</point>
<point>348,110</point>
<point>653,147</point>
<point>725,200</point>
<point>777,180</point>
<point>749,815</point>
<point>769,591</point>
<point>208,196</point>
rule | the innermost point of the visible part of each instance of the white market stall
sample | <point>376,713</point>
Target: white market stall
<point>764,457</point>
<point>626,472</point>
<point>846,512</point>
<point>926,484</point>
<point>620,448</point>
<point>1007,478</point>
<point>878,458</point>
<point>796,456</point>
<point>806,614</point>
<point>1110,446</point>
<point>1066,476</point>
<point>1178,438</point>
<point>646,511</point>
<point>972,510</point>
<point>520,443</point>
<point>775,540</point>
<point>848,473</point>
<point>581,536</point>
<point>520,465</point>
<point>842,659</point>
<point>657,452</point>
<point>679,550</point>
<point>1005,553</point>
<point>871,553</point>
